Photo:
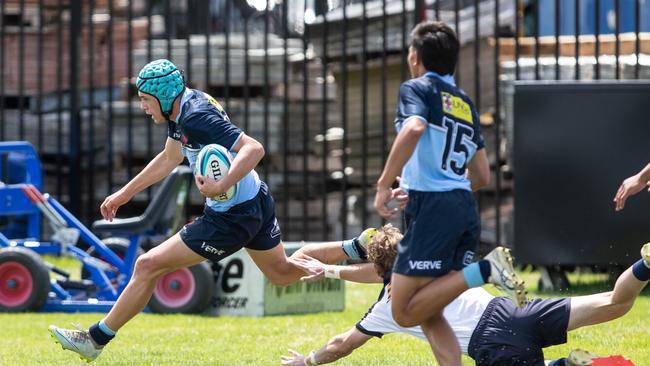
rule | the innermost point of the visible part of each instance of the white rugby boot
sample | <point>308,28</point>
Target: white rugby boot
<point>503,276</point>
<point>580,357</point>
<point>645,254</point>
<point>78,341</point>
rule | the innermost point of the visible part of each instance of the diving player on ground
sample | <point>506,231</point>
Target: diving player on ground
<point>491,330</point>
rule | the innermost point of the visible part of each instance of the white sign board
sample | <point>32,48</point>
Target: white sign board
<point>242,290</point>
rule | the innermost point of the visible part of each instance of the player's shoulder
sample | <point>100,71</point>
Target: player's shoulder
<point>196,102</point>
<point>420,85</point>
<point>200,106</point>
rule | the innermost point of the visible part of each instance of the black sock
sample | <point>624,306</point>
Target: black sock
<point>98,335</point>
<point>486,268</point>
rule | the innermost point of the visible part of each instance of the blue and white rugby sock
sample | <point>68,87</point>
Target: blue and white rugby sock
<point>477,273</point>
<point>353,249</point>
<point>101,333</point>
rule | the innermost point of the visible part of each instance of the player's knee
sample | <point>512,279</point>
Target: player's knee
<point>147,267</point>
<point>280,279</point>
<point>403,318</point>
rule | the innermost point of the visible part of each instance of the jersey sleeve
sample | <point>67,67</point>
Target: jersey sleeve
<point>211,128</point>
<point>411,103</point>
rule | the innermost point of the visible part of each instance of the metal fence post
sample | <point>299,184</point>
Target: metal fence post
<point>74,187</point>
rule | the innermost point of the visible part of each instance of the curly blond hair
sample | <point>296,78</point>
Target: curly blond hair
<point>382,248</point>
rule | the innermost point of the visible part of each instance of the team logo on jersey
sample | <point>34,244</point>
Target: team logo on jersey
<point>467,259</point>
<point>214,102</point>
<point>456,107</point>
<point>275,231</point>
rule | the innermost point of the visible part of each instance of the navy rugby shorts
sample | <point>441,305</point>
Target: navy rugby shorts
<point>442,231</point>
<point>251,224</point>
<point>508,336</point>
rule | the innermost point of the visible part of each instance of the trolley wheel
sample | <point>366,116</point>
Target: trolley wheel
<point>24,280</point>
<point>187,290</point>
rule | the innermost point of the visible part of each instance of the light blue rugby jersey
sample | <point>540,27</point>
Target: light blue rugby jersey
<point>452,138</point>
<point>202,121</point>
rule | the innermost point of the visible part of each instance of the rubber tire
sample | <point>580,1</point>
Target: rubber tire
<point>204,289</point>
<point>118,245</point>
<point>40,277</point>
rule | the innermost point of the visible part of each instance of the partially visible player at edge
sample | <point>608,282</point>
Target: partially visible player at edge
<point>195,119</point>
<point>440,153</point>
<point>631,186</point>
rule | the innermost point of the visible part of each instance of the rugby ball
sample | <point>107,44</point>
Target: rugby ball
<point>214,161</point>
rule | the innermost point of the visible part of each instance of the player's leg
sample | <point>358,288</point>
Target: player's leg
<point>275,265</point>
<point>423,282</point>
<point>410,310</point>
<point>422,286</point>
<point>416,299</point>
<point>440,335</point>
<point>267,251</point>
<point>435,295</point>
<point>168,256</point>
<point>606,306</point>
<point>281,271</point>
<point>209,236</point>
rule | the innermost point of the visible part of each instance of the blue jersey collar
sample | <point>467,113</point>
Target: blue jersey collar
<point>446,78</point>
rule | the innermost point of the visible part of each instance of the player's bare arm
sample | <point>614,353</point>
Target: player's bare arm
<point>249,153</point>
<point>401,151</point>
<point>361,273</point>
<point>478,170</point>
<point>631,186</point>
<point>157,169</point>
<point>337,347</point>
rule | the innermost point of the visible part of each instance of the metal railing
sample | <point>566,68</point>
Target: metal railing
<point>315,81</point>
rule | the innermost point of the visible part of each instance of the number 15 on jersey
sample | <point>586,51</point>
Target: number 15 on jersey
<point>459,147</point>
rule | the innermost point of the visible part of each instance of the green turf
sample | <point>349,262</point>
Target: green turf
<point>198,340</point>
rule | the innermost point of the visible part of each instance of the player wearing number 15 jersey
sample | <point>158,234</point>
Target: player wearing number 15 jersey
<point>440,152</point>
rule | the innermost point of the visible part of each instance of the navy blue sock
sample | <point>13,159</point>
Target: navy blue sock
<point>360,250</point>
<point>641,271</point>
<point>485,269</point>
<point>99,336</point>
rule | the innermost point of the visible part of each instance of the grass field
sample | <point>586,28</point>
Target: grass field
<point>199,340</point>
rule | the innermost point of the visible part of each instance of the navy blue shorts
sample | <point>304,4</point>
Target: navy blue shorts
<point>508,336</point>
<point>442,231</point>
<point>251,224</point>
